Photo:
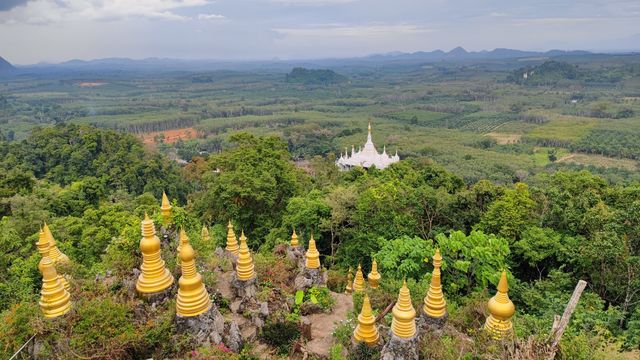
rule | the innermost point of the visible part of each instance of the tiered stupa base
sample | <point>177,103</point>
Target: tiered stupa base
<point>427,322</point>
<point>400,349</point>
<point>309,278</point>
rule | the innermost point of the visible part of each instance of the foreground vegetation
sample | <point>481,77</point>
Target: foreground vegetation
<point>550,231</point>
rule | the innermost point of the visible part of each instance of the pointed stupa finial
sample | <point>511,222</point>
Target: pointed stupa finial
<point>294,239</point>
<point>358,282</point>
<point>435,305</point>
<point>312,256</point>
<point>403,324</point>
<point>244,269</point>
<point>374,276</point>
<point>366,330</point>
<point>54,299</point>
<point>349,288</point>
<point>165,208</point>
<point>193,298</point>
<point>183,239</point>
<point>154,276</point>
<point>44,248</point>
<point>232,240</point>
<point>54,253</point>
<point>501,309</point>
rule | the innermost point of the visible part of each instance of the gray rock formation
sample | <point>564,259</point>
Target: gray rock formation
<point>233,337</point>
<point>207,328</point>
<point>308,278</point>
<point>400,349</point>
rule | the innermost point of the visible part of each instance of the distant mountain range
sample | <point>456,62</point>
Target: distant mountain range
<point>5,67</point>
<point>458,54</point>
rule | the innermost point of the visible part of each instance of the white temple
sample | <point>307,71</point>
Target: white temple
<point>366,157</point>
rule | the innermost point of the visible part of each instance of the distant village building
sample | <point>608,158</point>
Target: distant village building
<point>366,157</point>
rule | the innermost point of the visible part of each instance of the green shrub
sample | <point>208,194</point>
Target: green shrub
<point>343,331</point>
<point>280,335</point>
<point>336,281</point>
<point>321,296</point>
<point>364,352</point>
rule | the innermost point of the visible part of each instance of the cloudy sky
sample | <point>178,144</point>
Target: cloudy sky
<point>32,31</point>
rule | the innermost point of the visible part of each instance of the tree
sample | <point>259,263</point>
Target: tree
<point>510,214</point>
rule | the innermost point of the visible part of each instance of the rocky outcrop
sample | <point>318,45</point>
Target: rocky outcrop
<point>400,349</point>
<point>309,278</point>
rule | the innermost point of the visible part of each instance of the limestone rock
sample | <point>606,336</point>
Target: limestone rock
<point>207,328</point>
<point>296,254</point>
<point>309,308</point>
<point>233,337</point>
<point>245,290</point>
<point>400,349</point>
<point>429,323</point>
<point>308,278</point>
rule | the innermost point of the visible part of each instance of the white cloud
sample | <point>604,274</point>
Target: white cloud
<point>312,2</point>
<point>210,17</point>
<point>51,11</point>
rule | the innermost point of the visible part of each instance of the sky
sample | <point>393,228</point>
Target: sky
<point>33,31</point>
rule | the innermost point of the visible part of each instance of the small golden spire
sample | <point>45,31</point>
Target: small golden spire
<point>193,298</point>
<point>54,253</point>
<point>312,256</point>
<point>434,304</point>
<point>358,282</point>
<point>374,276</point>
<point>366,330</point>
<point>54,299</point>
<point>154,276</point>
<point>244,268</point>
<point>165,209</point>
<point>403,324</point>
<point>183,239</point>
<point>44,249</point>
<point>232,241</point>
<point>349,288</point>
<point>204,234</point>
<point>294,239</point>
<point>501,309</point>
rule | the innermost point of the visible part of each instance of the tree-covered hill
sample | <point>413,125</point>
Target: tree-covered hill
<point>548,232</point>
<point>304,76</point>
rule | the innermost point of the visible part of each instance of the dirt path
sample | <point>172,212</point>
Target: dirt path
<point>565,158</point>
<point>322,324</point>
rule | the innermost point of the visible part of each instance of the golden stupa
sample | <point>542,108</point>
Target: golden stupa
<point>232,241</point>
<point>349,288</point>
<point>204,234</point>
<point>374,276</point>
<point>193,298</point>
<point>294,239</point>
<point>54,299</point>
<point>154,276</point>
<point>358,282</point>
<point>165,209</point>
<point>44,249</point>
<point>54,253</point>
<point>312,256</point>
<point>366,330</point>
<point>244,268</point>
<point>435,305</point>
<point>183,240</point>
<point>403,324</point>
<point>501,309</point>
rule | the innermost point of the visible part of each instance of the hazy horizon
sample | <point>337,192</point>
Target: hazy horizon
<point>53,31</point>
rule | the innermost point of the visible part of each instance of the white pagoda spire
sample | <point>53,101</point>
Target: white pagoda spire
<point>367,156</point>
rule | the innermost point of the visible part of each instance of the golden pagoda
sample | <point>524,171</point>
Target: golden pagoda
<point>312,256</point>
<point>244,267</point>
<point>294,239</point>
<point>154,276</point>
<point>403,324</point>
<point>366,330</point>
<point>165,209</point>
<point>183,240</point>
<point>193,298</point>
<point>54,299</point>
<point>435,305</point>
<point>54,253</point>
<point>204,234</point>
<point>349,288</point>
<point>501,309</point>
<point>44,247</point>
<point>358,283</point>
<point>232,241</point>
<point>374,276</point>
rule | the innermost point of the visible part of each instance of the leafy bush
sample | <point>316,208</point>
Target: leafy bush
<point>280,335</point>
